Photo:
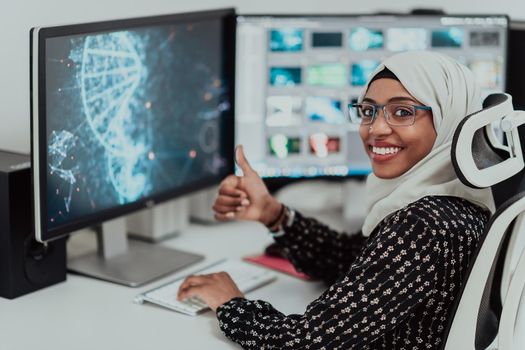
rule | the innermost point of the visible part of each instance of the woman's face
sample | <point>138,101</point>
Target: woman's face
<point>410,143</point>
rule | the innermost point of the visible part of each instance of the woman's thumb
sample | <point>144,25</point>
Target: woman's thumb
<point>242,162</point>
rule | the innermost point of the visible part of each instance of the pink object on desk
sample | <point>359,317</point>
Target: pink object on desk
<point>278,264</point>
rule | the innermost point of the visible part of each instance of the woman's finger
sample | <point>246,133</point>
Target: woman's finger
<point>232,192</point>
<point>223,209</point>
<point>230,181</point>
<point>192,281</point>
<point>193,291</point>
<point>225,217</point>
<point>231,201</point>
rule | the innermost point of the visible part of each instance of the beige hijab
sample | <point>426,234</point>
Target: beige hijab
<point>450,89</point>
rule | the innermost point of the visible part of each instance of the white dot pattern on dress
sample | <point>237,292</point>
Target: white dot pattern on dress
<point>390,291</point>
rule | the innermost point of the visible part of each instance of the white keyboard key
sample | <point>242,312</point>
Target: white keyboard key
<point>247,277</point>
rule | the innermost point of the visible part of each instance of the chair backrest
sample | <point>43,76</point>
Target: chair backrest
<point>481,160</point>
<point>479,310</point>
<point>510,332</point>
<point>478,156</point>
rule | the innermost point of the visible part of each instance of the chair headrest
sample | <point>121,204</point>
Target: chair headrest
<point>478,156</point>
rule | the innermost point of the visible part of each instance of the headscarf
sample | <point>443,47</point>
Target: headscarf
<point>450,89</point>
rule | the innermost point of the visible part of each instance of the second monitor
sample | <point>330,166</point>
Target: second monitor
<point>296,76</point>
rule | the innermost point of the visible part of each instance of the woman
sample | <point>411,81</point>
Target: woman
<point>392,285</point>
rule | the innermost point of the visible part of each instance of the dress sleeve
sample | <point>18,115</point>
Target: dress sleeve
<point>395,274</point>
<point>318,251</point>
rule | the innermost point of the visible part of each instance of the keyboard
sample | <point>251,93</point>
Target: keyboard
<point>247,277</point>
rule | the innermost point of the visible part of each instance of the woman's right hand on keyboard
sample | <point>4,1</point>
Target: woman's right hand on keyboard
<point>245,197</point>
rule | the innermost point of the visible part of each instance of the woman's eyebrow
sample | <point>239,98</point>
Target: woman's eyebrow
<point>393,99</point>
<point>403,98</point>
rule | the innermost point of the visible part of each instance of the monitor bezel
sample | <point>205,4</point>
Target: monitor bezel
<point>38,37</point>
<point>280,181</point>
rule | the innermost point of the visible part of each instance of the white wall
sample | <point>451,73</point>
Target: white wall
<point>18,16</point>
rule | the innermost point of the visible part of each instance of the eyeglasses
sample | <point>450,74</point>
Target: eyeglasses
<point>396,114</point>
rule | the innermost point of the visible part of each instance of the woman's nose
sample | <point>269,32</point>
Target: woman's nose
<point>379,125</point>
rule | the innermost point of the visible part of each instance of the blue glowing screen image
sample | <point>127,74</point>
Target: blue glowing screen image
<point>362,39</point>
<point>285,76</point>
<point>324,109</point>
<point>286,40</point>
<point>362,70</point>
<point>450,37</point>
<point>131,114</point>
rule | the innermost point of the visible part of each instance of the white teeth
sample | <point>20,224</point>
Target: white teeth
<point>385,150</point>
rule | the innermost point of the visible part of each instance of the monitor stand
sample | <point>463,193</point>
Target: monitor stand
<point>128,262</point>
<point>201,204</point>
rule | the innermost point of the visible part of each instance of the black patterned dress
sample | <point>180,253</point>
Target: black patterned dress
<point>392,290</point>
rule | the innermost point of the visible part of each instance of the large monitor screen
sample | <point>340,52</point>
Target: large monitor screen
<point>296,76</point>
<point>129,113</point>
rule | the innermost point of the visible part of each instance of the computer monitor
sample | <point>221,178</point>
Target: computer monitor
<point>296,76</point>
<point>127,114</point>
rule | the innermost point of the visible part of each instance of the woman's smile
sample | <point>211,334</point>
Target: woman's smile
<point>383,151</point>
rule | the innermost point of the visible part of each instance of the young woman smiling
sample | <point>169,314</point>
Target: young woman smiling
<point>392,284</point>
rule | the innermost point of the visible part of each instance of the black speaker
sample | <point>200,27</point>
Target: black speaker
<point>25,264</point>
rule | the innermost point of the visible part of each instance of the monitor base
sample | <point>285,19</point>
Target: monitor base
<point>128,262</point>
<point>142,263</point>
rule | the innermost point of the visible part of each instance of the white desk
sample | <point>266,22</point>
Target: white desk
<point>84,313</point>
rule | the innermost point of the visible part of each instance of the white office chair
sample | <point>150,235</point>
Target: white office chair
<point>485,313</point>
<point>511,321</point>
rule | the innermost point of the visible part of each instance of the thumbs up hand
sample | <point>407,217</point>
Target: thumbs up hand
<point>245,197</point>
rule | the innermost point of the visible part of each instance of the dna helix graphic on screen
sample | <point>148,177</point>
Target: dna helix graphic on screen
<point>111,73</point>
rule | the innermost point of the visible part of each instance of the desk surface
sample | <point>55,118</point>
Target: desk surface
<point>84,313</point>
